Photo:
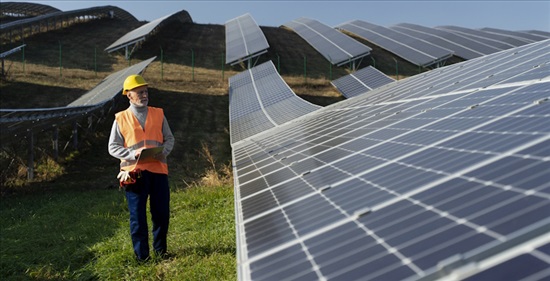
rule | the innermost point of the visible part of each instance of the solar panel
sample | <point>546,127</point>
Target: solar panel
<point>259,99</point>
<point>525,37</point>
<point>243,39</point>
<point>361,81</point>
<point>19,121</point>
<point>335,46</point>
<point>495,40</point>
<point>440,175</point>
<point>461,46</point>
<point>11,51</point>
<point>141,32</point>
<point>415,51</point>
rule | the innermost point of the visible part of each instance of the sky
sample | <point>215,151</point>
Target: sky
<point>508,15</point>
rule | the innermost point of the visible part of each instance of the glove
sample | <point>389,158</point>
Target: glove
<point>123,176</point>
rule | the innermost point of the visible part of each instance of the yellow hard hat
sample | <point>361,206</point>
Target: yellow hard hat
<point>132,82</point>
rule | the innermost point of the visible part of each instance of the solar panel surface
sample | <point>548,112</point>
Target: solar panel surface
<point>497,41</point>
<point>141,32</point>
<point>259,99</point>
<point>361,81</point>
<point>418,52</point>
<point>19,121</point>
<point>440,175</point>
<point>459,45</point>
<point>335,46</point>
<point>243,39</point>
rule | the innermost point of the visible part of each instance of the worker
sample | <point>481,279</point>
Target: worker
<point>137,128</point>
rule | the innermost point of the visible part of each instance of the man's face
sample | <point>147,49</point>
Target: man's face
<point>139,96</point>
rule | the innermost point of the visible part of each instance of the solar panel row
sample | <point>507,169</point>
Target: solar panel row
<point>15,122</point>
<point>461,46</point>
<point>335,46</point>
<point>259,99</point>
<point>443,174</point>
<point>243,39</point>
<point>361,81</point>
<point>499,42</point>
<point>141,32</point>
<point>416,51</point>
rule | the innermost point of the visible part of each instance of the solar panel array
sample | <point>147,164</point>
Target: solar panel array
<point>243,39</point>
<point>440,175</point>
<point>46,19</point>
<point>141,32</point>
<point>335,46</point>
<point>18,9</point>
<point>15,122</point>
<point>524,36</point>
<point>461,46</point>
<point>259,99</point>
<point>361,81</point>
<point>495,40</point>
<point>418,52</point>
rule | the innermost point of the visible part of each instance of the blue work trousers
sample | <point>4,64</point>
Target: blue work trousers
<point>153,186</point>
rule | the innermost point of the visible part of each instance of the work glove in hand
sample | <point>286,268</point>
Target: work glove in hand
<point>123,176</point>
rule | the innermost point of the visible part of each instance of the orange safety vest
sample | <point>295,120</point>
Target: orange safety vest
<point>135,137</point>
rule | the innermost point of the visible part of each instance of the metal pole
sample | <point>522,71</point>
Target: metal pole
<point>161,64</point>
<point>60,66</point>
<point>193,64</point>
<point>30,168</point>
<point>396,69</point>
<point>330,70</point>
<point>305,69</point>
<point>278,63</point>
<point>55,143</point>
<point>75,135</point>
<point>23,58</point>
<point>95,61</point>
<point>223,67</point>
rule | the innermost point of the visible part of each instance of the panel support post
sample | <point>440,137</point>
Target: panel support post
<point>75,135</point>
<point>55,143</point>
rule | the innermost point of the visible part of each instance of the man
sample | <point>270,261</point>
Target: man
<point>134,129</point>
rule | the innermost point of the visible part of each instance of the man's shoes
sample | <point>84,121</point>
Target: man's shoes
<point>164,255</point>
<point>142,260</point>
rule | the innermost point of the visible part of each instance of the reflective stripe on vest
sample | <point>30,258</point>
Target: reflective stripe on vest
<point>135,138</point>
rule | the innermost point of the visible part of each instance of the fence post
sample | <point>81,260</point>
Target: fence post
<point>305,69</point>
<point>23,60</point>
<point>60,64</point>
<point>30,164</point>
<point>75,135</point>
<point>95,61</point>
<point>396,69</point>
<point>330,70</point>
<point>223,67</point>
<point>192,65</point>
<point>161,64</point>
<point>55,143</point>
<point>278,64</point>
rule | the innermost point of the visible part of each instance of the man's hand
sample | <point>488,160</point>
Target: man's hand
<point>137,152</point>
<point>123,176</point>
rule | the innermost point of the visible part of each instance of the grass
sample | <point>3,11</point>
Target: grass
<point>84,235</point>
